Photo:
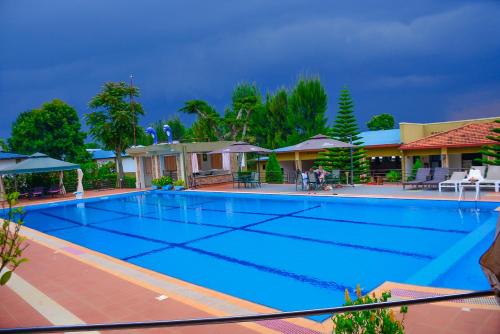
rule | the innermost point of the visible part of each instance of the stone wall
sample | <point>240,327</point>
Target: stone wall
<point>213,179</point>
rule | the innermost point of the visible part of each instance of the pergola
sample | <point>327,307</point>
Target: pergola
<point>41,163</point>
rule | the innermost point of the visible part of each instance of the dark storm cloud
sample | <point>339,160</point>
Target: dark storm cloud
<point>426,61</point>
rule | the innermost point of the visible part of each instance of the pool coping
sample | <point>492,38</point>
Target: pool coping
<point>100,260</point>
<point>205,299</point>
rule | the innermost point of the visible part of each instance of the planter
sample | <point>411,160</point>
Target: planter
<point>179,188</point>
<point>167,187</point>
<point>154,187</point>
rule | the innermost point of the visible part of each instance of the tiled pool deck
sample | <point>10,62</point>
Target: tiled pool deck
<point>64,283</point>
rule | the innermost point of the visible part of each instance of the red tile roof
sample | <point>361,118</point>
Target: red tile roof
<point>473,134</point>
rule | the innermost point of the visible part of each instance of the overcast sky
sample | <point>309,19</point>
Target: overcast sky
<point>422,60</point>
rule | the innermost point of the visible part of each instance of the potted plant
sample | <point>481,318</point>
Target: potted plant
<point>156,183</point>
<point>167,183</point>
<point>179,185</point>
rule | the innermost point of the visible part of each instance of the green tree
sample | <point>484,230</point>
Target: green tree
<point>246,105</point>
<point>92,146</point>
<point>3,145</point>
<point>492,152</point>
<point>53,129</point>
<point>381,122</point>
<point>112,122</point>
<point>207,127</point>
<point>274,121</point>
<point>273,170</point>
<point>346,130</point>
<point>307,107</point>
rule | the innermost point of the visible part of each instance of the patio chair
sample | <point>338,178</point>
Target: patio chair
<point>37,192</point>
<point>237,178</point>
<point>312,181</point>
<point>440,175</point>
<point>453,182</point>
<point>254,180</point>
<point>332,178</point>
<point>54,191</point>
<point>492,179</point>
<point>422,176</point>
<point>301,181</point>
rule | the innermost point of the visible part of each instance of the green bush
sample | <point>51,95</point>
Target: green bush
<point>179,183</point>
<point>393,176</point>
<point>162,181</point>
<point>376,321</point>
<point>273,170</point>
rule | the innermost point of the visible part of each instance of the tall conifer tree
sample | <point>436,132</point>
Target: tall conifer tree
<point>492,152</point>
<point>346,129</point>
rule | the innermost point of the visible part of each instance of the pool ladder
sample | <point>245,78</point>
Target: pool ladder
<point>461,194</point>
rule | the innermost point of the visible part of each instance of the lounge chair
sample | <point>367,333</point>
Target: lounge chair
<point>492,179</point>
<point>422,176</point>
<point>54,191</point>
<point>37,192</point>
<point>440,175</point>
<point>453,182</point>
<point>473,180</point>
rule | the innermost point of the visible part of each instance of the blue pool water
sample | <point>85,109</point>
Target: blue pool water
<point>284,252</point>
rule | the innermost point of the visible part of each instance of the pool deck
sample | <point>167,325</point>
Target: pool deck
<point>370,191</point>
<point>64,283</point>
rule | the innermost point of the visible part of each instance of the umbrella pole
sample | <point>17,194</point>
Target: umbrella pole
<point>352,163</point>
<point>258,166</point>
<point>2,188</point>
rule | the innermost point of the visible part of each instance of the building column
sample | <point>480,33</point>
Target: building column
<point>298,162</point>
<point>445,159</point>
<point>139,173</point>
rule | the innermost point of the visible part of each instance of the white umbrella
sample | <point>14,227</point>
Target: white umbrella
<point>226,161</point>
<point>243,164</point>
<point>194,163</point>
<point>79,188</point>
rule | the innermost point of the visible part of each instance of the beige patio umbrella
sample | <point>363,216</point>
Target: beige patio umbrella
<point>242,147</point>
<point>79,188</point>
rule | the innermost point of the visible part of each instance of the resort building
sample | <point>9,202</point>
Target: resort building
<point>190,162</point>
<point>102,157</point>
<point>10,158</point>
<point>454,144</point>
<point>456,148</point>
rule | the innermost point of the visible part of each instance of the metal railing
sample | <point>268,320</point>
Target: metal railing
<point>244,318</point>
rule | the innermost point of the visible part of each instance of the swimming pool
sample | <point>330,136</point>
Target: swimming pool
<point>285,252</point>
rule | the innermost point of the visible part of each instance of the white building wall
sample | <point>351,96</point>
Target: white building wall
<point>129,165</point>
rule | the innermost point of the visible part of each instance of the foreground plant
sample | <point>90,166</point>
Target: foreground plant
<point>12,244</point>
<point>369,321</point>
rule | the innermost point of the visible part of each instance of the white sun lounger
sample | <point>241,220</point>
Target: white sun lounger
<point>453,181</point>
<point>492,179</point>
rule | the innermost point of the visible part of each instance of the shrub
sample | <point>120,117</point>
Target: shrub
<point>162,181</point>
<point>11,243</point>
<point>179,183</point>
<point>273,170</point>
<point>369,321</point>
<point>393,176</point>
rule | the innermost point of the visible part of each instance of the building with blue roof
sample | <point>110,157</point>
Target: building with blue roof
<point>9,158</point>
<point>104,156</point>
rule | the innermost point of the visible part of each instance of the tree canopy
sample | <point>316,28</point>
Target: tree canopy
<point>307,106</point>
<point>381,122</point>
<point>492,152</point>
<point>115,119</point>
<point>53,129</point>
